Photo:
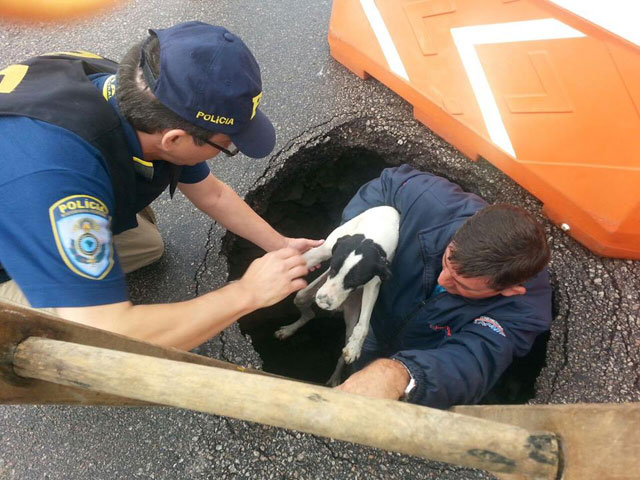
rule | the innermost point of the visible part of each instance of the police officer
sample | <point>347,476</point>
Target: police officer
<point>87,145</point>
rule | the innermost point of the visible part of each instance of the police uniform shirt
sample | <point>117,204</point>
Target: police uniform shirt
<point>57,201</point>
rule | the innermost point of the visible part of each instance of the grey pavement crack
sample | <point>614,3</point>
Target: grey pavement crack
<point>266,455</point>
<point>223,351</point>
<point>203,264</point>
<point>325,443</point>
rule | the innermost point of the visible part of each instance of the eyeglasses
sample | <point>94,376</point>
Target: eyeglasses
<point>230,152</point>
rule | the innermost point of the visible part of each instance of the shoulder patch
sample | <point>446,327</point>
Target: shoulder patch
<point>109,88</point>
<point>80,226</point>
<point>491,323</point>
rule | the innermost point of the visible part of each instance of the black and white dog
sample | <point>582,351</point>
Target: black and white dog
<point>361,252</point>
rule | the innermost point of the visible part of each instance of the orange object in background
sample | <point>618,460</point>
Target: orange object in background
<point>50,10</point>
<point>546,95</point>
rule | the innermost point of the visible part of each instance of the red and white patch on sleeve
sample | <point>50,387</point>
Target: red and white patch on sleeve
<point>485,321</point>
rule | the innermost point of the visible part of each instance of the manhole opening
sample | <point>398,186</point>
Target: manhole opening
<point>306,199</point>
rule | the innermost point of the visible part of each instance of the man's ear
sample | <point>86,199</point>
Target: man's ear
<point>172,138</point>
<point>511,291</point>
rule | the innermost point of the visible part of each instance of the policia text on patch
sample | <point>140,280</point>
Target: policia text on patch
<point>85,205</point>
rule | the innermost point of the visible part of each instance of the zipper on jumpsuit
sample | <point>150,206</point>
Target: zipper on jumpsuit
<point>409,317</point>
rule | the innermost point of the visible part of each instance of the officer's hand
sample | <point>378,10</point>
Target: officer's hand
<point>303,245</point>
<point>273,276</point>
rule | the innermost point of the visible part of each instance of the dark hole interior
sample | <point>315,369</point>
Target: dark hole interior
<point>306,200</point>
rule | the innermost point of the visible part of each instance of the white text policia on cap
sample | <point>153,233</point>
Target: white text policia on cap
<point>210,117</point>
<point>210,78</point>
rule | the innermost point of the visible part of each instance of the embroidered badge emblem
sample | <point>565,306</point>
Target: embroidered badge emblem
<point>491,323</point>
<point>109,87</point>
<point>81,228</point>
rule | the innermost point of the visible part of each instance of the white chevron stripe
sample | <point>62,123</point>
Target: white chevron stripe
<point>618,16</point>
<point>384,38</point>
<point>466,39</point>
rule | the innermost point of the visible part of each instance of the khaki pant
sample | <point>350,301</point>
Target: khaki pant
<point>136,248</point>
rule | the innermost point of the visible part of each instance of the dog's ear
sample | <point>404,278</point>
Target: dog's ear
<point>338,243</point>
<point>383,268</point>
<point>347,243</point>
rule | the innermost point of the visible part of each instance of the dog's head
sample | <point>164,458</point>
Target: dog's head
<point>354,261</point>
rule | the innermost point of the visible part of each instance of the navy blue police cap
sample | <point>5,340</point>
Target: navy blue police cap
<point>210,78</point>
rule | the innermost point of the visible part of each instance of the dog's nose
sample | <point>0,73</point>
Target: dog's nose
<point>323,301</point>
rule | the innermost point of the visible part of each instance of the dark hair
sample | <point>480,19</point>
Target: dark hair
<point>136,102</point>
<point>502,242</point>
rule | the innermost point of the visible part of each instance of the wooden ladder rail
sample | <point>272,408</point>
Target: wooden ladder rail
<point>44,359</point>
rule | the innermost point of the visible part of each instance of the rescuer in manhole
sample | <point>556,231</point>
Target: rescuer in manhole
<point>468,291</point>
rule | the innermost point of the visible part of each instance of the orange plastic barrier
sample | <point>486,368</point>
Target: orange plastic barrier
<point>51,10</point>
<point>542,92</point>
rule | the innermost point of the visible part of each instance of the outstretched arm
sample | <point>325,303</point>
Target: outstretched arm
<point>220,202</point>
<point>186,325</point>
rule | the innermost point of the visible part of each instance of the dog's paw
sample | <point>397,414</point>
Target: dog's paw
<point>284,332</point>
<point>315,256</point>
<point>351,352</point>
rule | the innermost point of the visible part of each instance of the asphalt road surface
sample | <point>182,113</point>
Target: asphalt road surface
<point>319,110</point>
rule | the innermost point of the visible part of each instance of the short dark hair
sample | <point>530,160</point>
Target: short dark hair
<point>137,103</point>
<point>502,242</point>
